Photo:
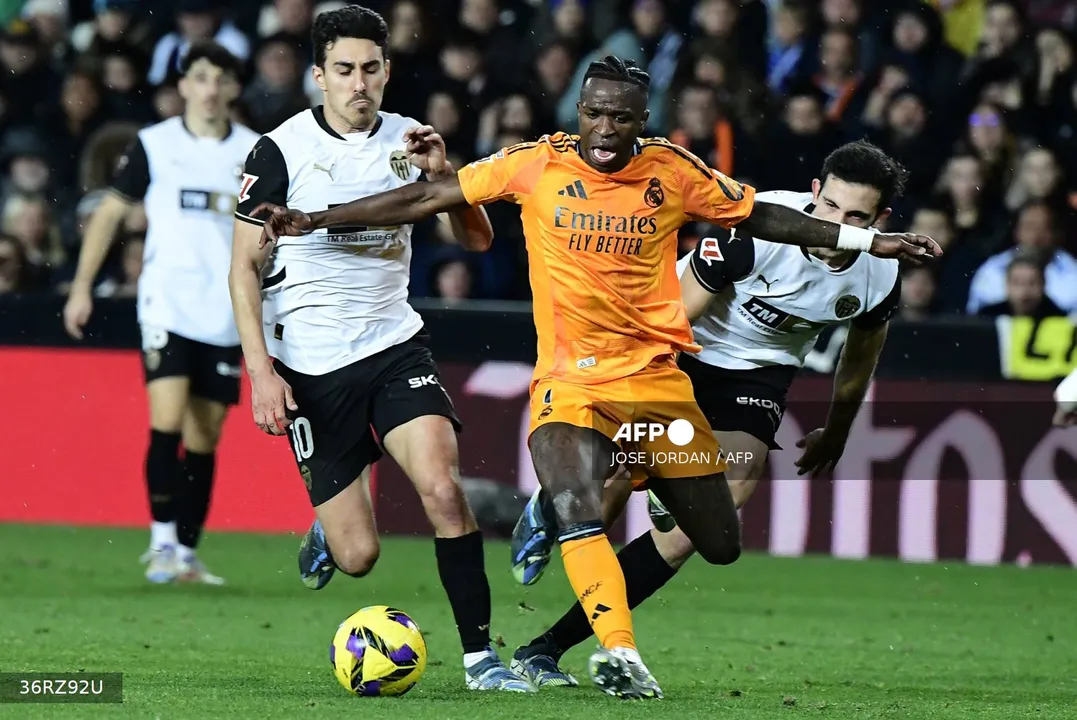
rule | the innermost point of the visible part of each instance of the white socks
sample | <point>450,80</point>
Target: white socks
<point>470,659</point>
<point>162,534</point>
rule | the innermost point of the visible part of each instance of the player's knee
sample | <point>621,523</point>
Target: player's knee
<point>721,548</point>
<point>200,438</point>
<point>574,504</point>
<point>723,554</point>
<point>357,559</point>
<point>445,504</point>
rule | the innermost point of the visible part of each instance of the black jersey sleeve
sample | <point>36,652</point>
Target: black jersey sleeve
<point>265,179</point>
<point>132,176</point>
<point>881,313</point>
<point>723,260</point>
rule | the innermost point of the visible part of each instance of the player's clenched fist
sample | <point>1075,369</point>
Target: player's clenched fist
<point>271,398</point>
<point>425,149</point>
<point>281,221</point>
<point>905,246</point>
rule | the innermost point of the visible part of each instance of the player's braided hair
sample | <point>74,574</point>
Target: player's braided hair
<point>862,163</point>
<point>614,68</point>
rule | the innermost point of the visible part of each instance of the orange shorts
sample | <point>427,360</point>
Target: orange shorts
<point>651,415</point>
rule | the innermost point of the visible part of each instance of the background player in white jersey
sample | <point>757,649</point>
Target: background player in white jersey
<point>343,364</point>
<point>757,309</point>
<point>186,170</point>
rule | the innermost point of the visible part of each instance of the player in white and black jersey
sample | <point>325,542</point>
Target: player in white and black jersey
<point>337,357</point>
<point>757,309</point>
<point>186,170</point>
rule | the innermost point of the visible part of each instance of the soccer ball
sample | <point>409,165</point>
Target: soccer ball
<point>378,651</point>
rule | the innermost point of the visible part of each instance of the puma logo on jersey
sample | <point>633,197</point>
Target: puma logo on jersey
<point>766,282</point>
<point>327,170</point>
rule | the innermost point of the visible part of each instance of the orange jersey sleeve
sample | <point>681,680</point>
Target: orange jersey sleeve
<point>509,174</point>
<point>707,194</point>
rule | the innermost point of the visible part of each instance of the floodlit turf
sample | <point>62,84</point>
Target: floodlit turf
<point>766,638</point>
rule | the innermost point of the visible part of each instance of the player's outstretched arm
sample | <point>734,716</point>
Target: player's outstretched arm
<point>786,225</point>
<point>860,355</point>
<point>856,366</point>
<point>470,225</point>
<point>426,151</point>
<point>402,206</point>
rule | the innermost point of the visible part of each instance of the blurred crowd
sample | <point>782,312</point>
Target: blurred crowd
<point>977,98</point>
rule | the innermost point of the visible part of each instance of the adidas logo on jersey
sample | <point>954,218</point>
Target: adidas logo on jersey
<point>574,190</point>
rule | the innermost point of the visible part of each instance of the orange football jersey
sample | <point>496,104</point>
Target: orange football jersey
<point>602,247</point>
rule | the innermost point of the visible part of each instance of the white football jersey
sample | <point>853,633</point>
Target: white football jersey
<point>772,300</point>
<point>189,185</point>
<point>337,295</point>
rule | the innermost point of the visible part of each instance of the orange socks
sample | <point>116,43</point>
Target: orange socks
<point>596,576</point>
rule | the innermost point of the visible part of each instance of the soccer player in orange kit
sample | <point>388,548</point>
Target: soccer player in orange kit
<point>601,213</point>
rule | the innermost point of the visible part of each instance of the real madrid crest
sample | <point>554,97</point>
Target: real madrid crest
<point>846,306</point>
<point>398,161</point>
<point>654,196</point>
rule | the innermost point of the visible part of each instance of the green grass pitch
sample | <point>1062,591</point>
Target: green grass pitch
<point>765,638</point>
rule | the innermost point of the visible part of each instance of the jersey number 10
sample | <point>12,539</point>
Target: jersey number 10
<point>302,438</point>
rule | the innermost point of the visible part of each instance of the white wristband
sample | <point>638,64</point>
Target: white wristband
<point>854,238</point>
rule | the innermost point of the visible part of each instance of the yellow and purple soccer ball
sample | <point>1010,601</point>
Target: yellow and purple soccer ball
<point>378,652</point>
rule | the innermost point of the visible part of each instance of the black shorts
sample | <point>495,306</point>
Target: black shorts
<point>214,372</point>
<point>750,401</point>
<point>345,414</point>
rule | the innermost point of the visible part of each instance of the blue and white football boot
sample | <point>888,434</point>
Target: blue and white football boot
<point>316,565</point>
<point>532,541</point>
<point>540,667</point>
<point>490,673</point>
